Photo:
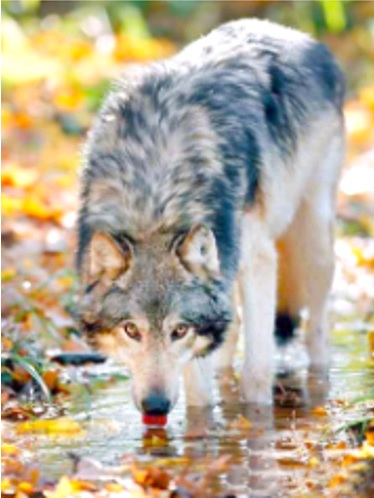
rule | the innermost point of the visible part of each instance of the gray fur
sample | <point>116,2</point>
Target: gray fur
<point>183,143</point>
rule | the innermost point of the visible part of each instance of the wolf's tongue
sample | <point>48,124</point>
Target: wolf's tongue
<point>154,419</point>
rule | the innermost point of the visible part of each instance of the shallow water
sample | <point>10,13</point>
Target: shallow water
<point>272,457</point>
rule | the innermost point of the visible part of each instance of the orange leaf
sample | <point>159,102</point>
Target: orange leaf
<point>320,411</point>
<point>369,435</point>
<point>50,378</point>
<point>113,487</point>
<point>241,423</point>
<point>14,176</point>
<point>153,477</point>
<point>335,481</point>
<point>23,120</point>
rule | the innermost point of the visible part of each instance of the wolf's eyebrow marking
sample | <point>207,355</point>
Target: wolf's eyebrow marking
<point>124,237</point>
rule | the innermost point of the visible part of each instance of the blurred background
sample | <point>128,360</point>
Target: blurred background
<point>58,58</point>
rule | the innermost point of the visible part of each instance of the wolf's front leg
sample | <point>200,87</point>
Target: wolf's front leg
<point>198,382</point>
<point>258,284</point>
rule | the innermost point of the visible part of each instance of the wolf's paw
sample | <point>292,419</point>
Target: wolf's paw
<point>319,354</point>
<point>257,388</point>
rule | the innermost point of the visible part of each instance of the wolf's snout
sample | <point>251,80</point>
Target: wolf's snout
<point>156,403</point>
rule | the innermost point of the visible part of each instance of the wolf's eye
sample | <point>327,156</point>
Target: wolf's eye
<point>132,331</point>
<point>180,331</point>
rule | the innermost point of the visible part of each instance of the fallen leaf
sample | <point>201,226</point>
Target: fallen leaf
<point>25,487</point>
<point>9,449</point>
<point>61,426</point>
<point>240,423</point>
<point>320,411</point>
<point>151,477</point>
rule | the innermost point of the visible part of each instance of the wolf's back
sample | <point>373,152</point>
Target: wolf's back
<point>182,141</point>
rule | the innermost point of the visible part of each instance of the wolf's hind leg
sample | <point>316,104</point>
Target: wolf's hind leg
<point>290,290</point>
<point>309,243</point>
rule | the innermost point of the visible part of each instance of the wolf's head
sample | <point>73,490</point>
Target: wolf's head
<point>154,304</point>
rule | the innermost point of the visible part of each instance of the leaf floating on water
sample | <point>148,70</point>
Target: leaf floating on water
<point>59,426</point>
<point>113,487</point>
<point>152,477</point>
<point>240,423</point>
<point>320,411</point>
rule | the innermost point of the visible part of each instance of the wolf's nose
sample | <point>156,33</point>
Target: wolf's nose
<point>155,404</point>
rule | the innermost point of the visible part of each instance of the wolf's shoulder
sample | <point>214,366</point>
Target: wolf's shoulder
<point>260,51</point>
<point>248,32</point>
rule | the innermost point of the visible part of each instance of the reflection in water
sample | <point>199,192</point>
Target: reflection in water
<point>267,446</point>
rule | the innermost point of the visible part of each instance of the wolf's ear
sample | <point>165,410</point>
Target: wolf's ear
<point>198,252</point>
<point>105,259</point>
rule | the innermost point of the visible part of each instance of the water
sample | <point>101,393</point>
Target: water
<point>282,452</point>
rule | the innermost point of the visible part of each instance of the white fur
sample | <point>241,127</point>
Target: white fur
<point>298,207</point>
<point>198,377</point>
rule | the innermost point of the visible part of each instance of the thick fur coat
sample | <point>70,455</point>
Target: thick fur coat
<point>217,165</point>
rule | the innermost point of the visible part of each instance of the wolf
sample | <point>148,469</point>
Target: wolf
<point>215,168</point>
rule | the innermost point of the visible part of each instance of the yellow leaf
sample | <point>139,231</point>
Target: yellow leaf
<point>5,485</point>
<point>367,450</point>
<point>59,426</point>
<point>63,489</point>
<point>366,96</point>
<point>36,208</point>
<point>131,48</point>
<point>113,487</point>
<point>371,342</point>
<point>10,205</point>
<point>8,274</point>
<point>9,449</point>
<point>25,487</point>
<point>79,485</point>
<point>68,99</point>
<point>313,462</point>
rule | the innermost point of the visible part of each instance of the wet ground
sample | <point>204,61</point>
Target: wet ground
<point>294,449</point>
